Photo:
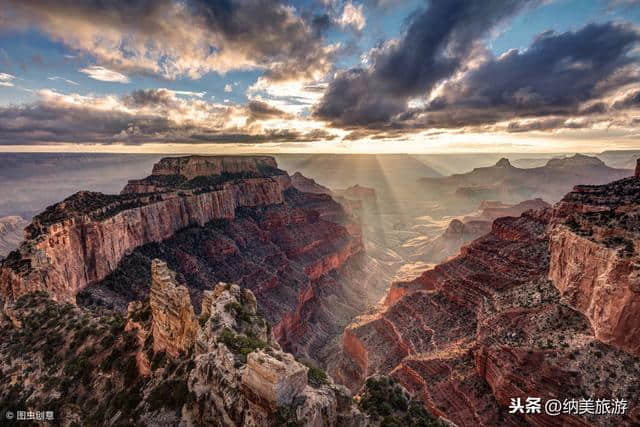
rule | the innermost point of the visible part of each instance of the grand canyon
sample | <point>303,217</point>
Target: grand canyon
<point>320,213</point>
<point>224,290</point>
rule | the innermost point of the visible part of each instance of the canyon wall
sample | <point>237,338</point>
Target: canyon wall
<point>80,250</point>
<point>594,259</point>
<point>81,240</point>
<point>301,254</point>
<point>543,305</point>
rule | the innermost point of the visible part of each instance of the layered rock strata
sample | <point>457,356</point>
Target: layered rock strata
<point>100,368</point>
<point>301,254</point>
<point>174,322</point>
<point>193,166</point>
<point>239,368</point>
<point>594,259</point>
<point>68,249</point>
<point>543,305</point>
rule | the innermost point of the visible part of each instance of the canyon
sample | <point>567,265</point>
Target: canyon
<point>159,365</point>
<point>234,219</point>
<point>545,304</point>
<point>217,289</point>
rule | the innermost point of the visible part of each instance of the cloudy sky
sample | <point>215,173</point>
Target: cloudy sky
<point>320,75</point>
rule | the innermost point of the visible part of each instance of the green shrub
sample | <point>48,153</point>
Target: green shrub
<point>383,398</point>
<point>240,344</point>
<point>317,376</point>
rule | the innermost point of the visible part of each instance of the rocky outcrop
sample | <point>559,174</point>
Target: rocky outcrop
<point>357,192</point>
<point>240,371</point>
<point>595,262</point>
<point>174,323</point>
<point>544,305</point>
<point>234,373</point>
<point>11,233</point>
<point>193,166</point>
<point>299,258</point>
<point>81,240</point>
<point>308,185</point>
<point>298,252</point>
<point>637,172</point>
<point>275,382</point>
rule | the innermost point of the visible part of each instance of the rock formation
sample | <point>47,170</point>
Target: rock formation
<point>594,259</point>
<point>298,252</point>
<point>544,305</point>
<point>103,369</point>
<point>11,233</point>
<point>193,166</point>
<point>357,192</point>
<point>510,184</point>
<point>308,185</point>
<point>275,382</point>
<point>174,323</point>
<point>81,240</point>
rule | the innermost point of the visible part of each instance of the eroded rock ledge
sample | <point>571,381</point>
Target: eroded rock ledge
<point>160,365</point>
<point>79,241</point>
<point>544,305</point>
<point>240,369</point>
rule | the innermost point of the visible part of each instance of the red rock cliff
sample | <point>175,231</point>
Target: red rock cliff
<point>544,305</point>
<point>594,260</point>
<point>82,239</point>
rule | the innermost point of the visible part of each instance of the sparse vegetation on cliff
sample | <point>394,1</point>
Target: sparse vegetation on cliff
<point>241,345</point>
<point>387,402</point>
<point>317,377</point>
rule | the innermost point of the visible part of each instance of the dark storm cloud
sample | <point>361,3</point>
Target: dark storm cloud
<point>537,125</point>
<point>275,135</point>
<point>556,71</point>
<point>438,41</point>
<point>630,100</point>
<point>42,123</point>
<point>559,76</point>
<point>564,74</point>
<point>171,38</point>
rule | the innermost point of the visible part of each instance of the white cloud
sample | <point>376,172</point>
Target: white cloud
<point>62,79</point>
<point>97,72</point>
<point>352,16</point>
<point>186,93</point>
<point>6,79</point>
<point>228,88</point>
<point>177,38</point>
